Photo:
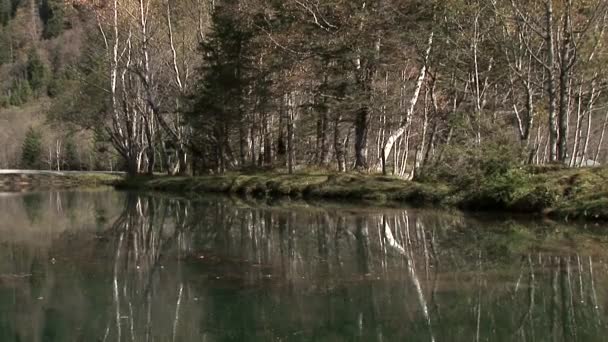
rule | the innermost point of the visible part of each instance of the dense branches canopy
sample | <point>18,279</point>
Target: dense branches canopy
<point>395,86</point>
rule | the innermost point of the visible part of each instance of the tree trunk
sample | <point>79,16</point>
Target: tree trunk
<point>551,84</point>
<point>267,142</point>
<point>586,144</point>
<point>564,109</point>
<point>290,132</point>
<point>322,143</point>
<point>361,133</point>
<point>132,167</point>
<point>242,142</point>
<point>422,143</point>
<point>151,150</point>
<point>182,155</point>
<point>566,61</point>
<point>413,101</point>
<point>339,146</point>
<point>598,148</point>
<point>577,131</point>
<point>290,146</point>
<point>58,155</point>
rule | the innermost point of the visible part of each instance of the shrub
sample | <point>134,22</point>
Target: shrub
<point>494,191</point>
<point>537,199</point>
<point>465,165</point>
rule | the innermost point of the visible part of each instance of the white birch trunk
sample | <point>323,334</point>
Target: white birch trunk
<point>388,146</point>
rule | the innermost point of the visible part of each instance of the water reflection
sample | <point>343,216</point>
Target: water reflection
<point>127,267</point>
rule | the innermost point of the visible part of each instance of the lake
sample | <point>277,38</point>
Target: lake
<point>115,266</point>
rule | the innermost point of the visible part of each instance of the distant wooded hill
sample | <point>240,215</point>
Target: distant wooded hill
<point>41,44</point>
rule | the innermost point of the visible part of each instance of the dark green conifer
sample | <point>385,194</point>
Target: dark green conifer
<point>221,95</point>
<point>52,15</point>
<point>31,153</point>
<point>20,92</point>
<point>37,72</point>
<point>72,160</point>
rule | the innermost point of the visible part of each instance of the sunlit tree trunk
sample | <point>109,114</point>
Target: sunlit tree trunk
<point>290,121</point>
<point>566,61</point>
<point>404,126</point>
<point>600,142</point>
<point>551,83</point>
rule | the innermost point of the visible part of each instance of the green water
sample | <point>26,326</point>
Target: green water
<point>111,266</point>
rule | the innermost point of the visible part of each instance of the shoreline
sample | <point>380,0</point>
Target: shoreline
<point>566,194</point>
<point>563,194</point>
<point>32,180</point>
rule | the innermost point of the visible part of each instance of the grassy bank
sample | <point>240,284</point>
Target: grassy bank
<point>560,193</point>
<point>309,185</point>
<point>92,180</point>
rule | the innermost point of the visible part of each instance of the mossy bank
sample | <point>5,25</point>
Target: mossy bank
<point>556,192</point>
<point>333,186</point>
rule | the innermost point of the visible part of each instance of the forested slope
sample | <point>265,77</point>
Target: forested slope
<point>41,49</point>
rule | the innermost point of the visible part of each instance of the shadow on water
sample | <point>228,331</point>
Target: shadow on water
<point>111,266</point>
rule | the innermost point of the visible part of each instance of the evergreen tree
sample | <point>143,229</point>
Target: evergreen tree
<point>60,76</point>
<point>33,204</point>
<point>20,93</point>
<point>5,46</point>
<point>14,5</point>
<point>220,99</point>
<point>103,158</point>
<point>72,160</point>
<point>5,12</point>
<point>52,15</point>
<point>37,72</point>
<point>31,153</point>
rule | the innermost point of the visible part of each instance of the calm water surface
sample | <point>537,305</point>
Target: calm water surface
<point>111,266</point>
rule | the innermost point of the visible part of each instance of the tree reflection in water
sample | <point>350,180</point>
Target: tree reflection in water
<point>149,229</point>
<point>167,269</point>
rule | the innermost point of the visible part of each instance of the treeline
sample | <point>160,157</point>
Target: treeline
<point>398,86</point>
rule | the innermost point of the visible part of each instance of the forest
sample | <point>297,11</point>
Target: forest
<point>409,88</point>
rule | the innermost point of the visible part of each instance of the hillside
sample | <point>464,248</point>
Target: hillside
<point>41,46</point>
